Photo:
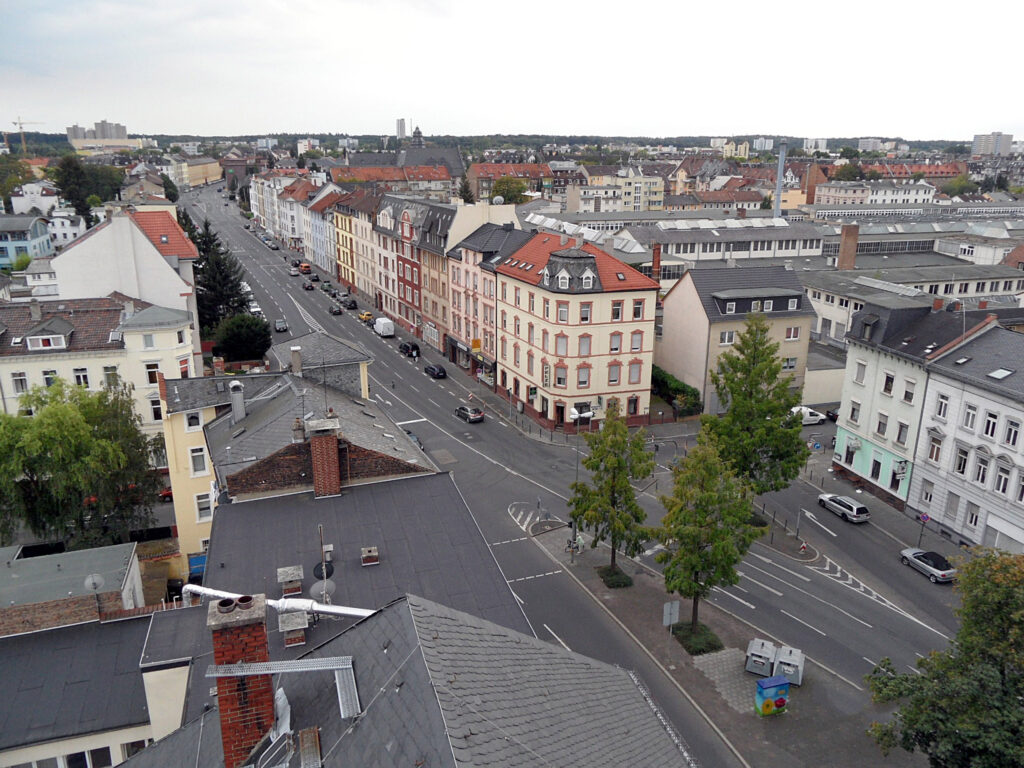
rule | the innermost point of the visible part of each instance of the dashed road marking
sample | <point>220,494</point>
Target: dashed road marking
<point>510,541</point>
<point>535,576</point>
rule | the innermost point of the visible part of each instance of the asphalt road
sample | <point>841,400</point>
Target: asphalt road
<point>847,610</point>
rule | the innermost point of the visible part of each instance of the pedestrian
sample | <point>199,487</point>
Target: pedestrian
<point>392,383</point>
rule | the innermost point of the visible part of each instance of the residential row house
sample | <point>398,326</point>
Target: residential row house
<point>430,181</point>
<point>538,177</point>
<point>23,235</point>
<point>319,243</point>
<point>629,188</point>
<point>264,191</point>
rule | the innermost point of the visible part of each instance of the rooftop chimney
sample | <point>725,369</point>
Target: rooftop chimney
<point>936,304</point>
<point>35,311</point>
<point>563,239</point>
<point>983,304</point>
<point>656,263</point>
<point>236,390</point>
<point>323,448</point>
<point>741,213</point>
<point>298,431</point>
<point>848,246</point>
<point>245,703</point>
<point>297,360</point>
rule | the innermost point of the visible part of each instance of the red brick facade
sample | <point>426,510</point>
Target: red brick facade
<point>326,464</point>
<point>16,619</point>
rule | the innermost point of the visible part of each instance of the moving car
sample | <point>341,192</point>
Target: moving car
<point>296,262</point>
<point>293,272</point>
<point>470,414</point>
<point>307,286</point>
<point>384,327</point>
<point>366,316</point>
<point>807,415</point>
<point>349,303</point>
<point>280,325</point>
<point>848,509</point>
<point>435,371</point>
<point>931,564</point>
<point>314,277</point>
<point>336,310</point>
<point>409,348</point>
<point>305,268</point>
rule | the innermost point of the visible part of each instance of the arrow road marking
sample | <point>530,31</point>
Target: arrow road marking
<point>814,520</point>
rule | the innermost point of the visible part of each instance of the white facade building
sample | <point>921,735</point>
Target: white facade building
<point>41,195</point>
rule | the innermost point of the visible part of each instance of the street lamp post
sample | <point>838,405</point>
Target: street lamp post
<point>576,416</point>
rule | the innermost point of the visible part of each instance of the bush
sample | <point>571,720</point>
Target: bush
<point>696,643</point>
<point>684,398</point>
<point>614,577</point>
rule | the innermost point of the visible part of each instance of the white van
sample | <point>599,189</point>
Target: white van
<point>383,327</point>
<point>807,415</point>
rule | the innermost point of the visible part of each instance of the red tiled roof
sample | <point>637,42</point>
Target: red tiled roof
<point>515,170</point>
<point>907,170</point>
<point>325,202</point>
<point>160,225</point>
<point>427,173</point>
<point>300,190</point>
<point>538,250</point>
<point>42,162</point>
<point>728,196</point>
<point>368,173</point>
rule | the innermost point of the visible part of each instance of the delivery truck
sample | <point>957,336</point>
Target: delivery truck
<point>383,327</point>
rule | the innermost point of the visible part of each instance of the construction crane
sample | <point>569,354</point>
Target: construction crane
<point>21,127</point>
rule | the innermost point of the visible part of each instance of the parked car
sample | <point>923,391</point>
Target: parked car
<point>435,371</point>
<point>409,348</point>
<point>848,509</point>
<point>246,226</point>
<point>275,247</point>
<point>245,287</point>
<point>470,414</point>
<point>931,564</point>
<point>415,440</point>
<point>832,414</point>
<point>336,310</point>
<point>349,303</point>
<point>166,494</point>
<point>280,325</point>
<point>307,286</point>
<point>807,415</point>
<point>366,316</point>
<point>333,293</point>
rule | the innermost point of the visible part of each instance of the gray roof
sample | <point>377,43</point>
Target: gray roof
<point>494,241</point>
<point>730,230</point>
<point>714,287</point>
<point>17,222</point>
<point>156,317</point>
<point>71,681</point>
<point>845,281</point>
<point>39,267</point>
<point>28,580</point>
<point>175,637</point>
<point>319,349</point>
<point>190,394</point>
<point>995,348</point>
<point>910,331</point>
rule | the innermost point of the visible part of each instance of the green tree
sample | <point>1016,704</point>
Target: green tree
<point>186,223</point>
<point>961,185</point>
<point>958,149</point>
<point>207,241</point>
<point>849,153</point>
<point>917,176</point>
<point>233,184</point>
<point>706,529</point>
<point>963,706</point>
<point>170,188</point>
<point>94,201</point>
<point>608,503</point>
<point>77,470</point>
<point>848,172</point>
<point>21,263</point>
<point>243,337</point>
<point>103,180</point>
<point>757,434</point>
<point>510,189</point>
<point>766,203</point>
<point>301,162</point>
<point>218,288</point>
<point>466,191</point>
<point>13,173</point>
<point>873,175</point>
<point>73,185</point>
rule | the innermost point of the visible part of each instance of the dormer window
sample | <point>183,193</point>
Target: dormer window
<point>545,276</point>
<point>563,282</point>
<point>47,342</point>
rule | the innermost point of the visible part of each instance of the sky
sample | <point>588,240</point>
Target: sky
<point>643,68</point>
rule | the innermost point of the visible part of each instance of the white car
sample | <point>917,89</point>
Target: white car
<point>808,416</point>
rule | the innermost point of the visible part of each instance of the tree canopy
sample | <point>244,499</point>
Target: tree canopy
<point>706,529</point>
<point>72,183</point>
<point>757,434</point>
<point>78,469</point>
<point>466,191</point>
<point>961,185</point>
<point>848,172</point>
<point>13,173</point>
<point>964,708</point>
<point>607,504</point>
<point>170,188</point>
<point>512,190</point>
<point>243,337</point>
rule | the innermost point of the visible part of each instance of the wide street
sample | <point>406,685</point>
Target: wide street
<point>846,610</point>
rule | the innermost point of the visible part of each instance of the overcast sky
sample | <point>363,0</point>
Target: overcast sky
<point>645,67</point>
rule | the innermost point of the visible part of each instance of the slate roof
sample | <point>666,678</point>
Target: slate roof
<point>319,349</point>
<point>156,317</point>
<point>28,580</point>
<point>716,287</point>
<point>914,332</point>
<point>495,242</point>
<point>42,266</point>
<point>728,196</point>
<point>449,157</point>
<point>71,681</point>
<point>204,392</point>
<point>959,272</point>
<point>92,320</point>
<point>995,348</point>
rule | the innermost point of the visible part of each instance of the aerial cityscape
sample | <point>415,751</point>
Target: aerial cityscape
<point>345,422</point>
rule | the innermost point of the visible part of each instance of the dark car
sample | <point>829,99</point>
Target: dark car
<point>409,348</point>
<point>349,304</point>
<point>832,414</point>
<point>415,440</point>
<point>296,262</point>
<point>280,325</point>
<point>275,247</point>
<point>307,286</point>
<point>469,414</point>
<point>314,277</point>
<point>336,310</point>
<point>246,226</point>
<point>333,293</point>
<point>435,371</point>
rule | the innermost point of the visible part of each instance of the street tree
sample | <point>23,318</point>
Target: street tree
<point>512,190</point>
<point>466,191</point>
<point>608,504</point>
<point>233,184</point>
<point>218,288</point>
<point>766,203</point>
<point>170,188</point>
<point>962,706</point>
<point>243,337</point>
<point>13,173</point>
<point>78,469</point>
<point>207,240</point>
<point>187,225</point>
<point>706,529</point>
<point>757,434</point>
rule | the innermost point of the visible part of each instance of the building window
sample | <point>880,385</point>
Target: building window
<point>755,305</point>
<point>544,340</point>
<point>793,333</point>
<point>561,345</point>
<point>973,511</point>
<point>155,409</point>
<point>883,423</point>
<point>942,406</point>
<point>981,470</point>
<point>854,411</point>
<point>529,363</point>
<point>935,449</point>
<point>515,355</point>
<point>888,384</point>
<point>152,372</point>
<point>82,377</point>
<point>636,341</point>
<point>902,432</point>
<point>615,345</point>
<point>183,368</point>
<point>204,509</point>
<point>991,420</point>
<point>517,295</point>
<point>789,363</point>
<point>1012,432</point>
<point>1002,480</point>
<point>560,375</point>
<point>859,374</point>
<point>588,282</point>
<point>147,341</point>
<point>204,544</point>
<point>614,371</point>
<point>616,310</point>
<point>563,312</point>
<point>504,347</point>
<point>563,282</point>
<point>20,381</point>
<point>730,307</point>
<point>49,377</point>
<point>725,338</point>
<point>908,391</point>
<point>793,304</point>
<point>198,459</point>
<point>583,377</point>
<point>584,346</point>
<point>193,421</point>
<point>634,373</point>
<point>927,487</point>
<point>181,337</point>
<point>960,462</point>
<point>970,416</point>
<point>585,313</point>
<point>768,305</point>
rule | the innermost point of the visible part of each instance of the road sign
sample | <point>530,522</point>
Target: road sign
<point>925,517</point>
<point>817,446</point>
<point>670,613</point>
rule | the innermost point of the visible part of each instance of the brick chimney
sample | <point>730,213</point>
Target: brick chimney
<point>936,304</point>
<point>741,213</point>
<point>323,446</point>
<point>656,262</point>
<point>848,246</point>
<point>246,704</point>
<point>983,304</point>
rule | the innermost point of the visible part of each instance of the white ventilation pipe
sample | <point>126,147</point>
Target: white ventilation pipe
<point>284,605</point>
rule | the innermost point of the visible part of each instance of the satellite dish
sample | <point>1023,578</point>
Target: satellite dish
<point>94,582</point>
<point>321,591</point>
<point>498,200</point>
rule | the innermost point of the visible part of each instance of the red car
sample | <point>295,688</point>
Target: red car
<point>166,494</point>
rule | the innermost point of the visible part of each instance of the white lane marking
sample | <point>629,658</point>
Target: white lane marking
<point>780,567</point>
<point>814,520</point>
<point>306,317</point>
<point>763,586</point>
<point>751,606</point>
<point>920,656</point>
<point>535,576</point>
<point>549,629</point>
<point>801,621</point>
<point>656,548</point>
<point>413,388</point>
<point>869,661</point>
<point>410,421</point>
<point>915,670</point>
<point>809,594</point>
<point>509,541</point>
<point>433,403</point>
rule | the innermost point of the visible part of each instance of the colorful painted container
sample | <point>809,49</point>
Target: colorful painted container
<point>772,696</point>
